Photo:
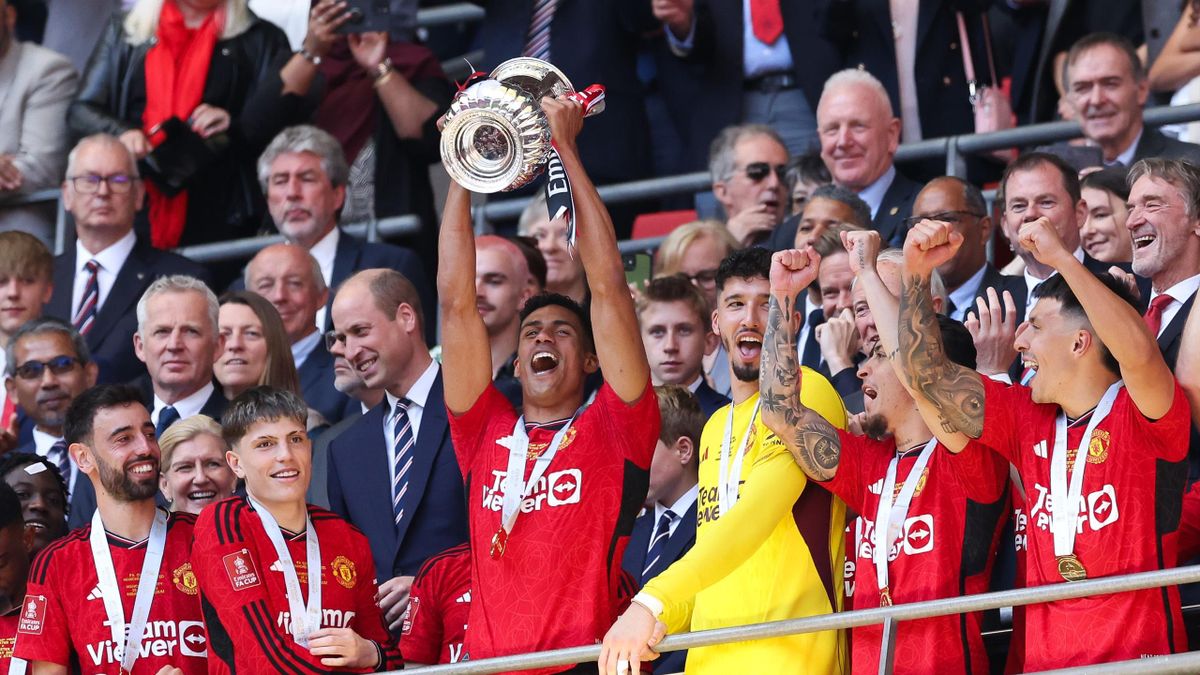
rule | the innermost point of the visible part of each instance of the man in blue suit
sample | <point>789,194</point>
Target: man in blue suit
<point>303,173</point>
<point>667,528</point>
<point>394,474</point>
<point>676,326</point>
<point>290,279</point>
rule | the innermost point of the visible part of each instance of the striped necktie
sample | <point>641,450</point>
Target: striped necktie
<point>537,43</point>
<point>86,316</point>
<point>658,545</point>
<point>57,454</point>
<point>402,444</point>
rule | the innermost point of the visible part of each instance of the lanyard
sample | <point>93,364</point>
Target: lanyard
<point>890,516</point>
<point>516,488</point>
<point>305,618</point>
<point>111,592</point>
<point>730,476</point>
<point>1065,517</point>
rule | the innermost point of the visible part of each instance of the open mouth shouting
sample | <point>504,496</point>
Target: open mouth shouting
<point>543,362</point>
<point>748,345</point>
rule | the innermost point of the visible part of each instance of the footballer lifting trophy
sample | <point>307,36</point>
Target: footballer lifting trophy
<point>496,137</point>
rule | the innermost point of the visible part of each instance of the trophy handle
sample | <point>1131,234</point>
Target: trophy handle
<point>592,99</point>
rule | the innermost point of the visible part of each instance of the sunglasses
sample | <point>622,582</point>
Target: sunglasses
<point>757,171</point>
<point>59,365</point>
<point>951,217</point>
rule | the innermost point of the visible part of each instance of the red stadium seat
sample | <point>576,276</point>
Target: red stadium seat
<point>660,223</point>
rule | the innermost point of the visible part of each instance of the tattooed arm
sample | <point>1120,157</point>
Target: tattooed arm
<point>809,437</point>
<point>953,392</point>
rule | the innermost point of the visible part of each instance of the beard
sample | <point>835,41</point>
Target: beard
<point>118,483</point>
<point>875,427</point>
<point>745,373</point>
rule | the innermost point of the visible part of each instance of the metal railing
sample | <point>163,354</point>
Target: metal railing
<point>888,616</point>
<point>953,148</point>
<point>462,12</point>
<point>246,248</point>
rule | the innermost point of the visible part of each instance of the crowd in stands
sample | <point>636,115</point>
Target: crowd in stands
<point>845,382</point>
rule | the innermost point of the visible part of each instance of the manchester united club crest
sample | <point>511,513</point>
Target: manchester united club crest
<point>185,579</point>
<point>1098,447</point>
<point>344,571</point>
<point>917,490</point>
<point>536,449</point>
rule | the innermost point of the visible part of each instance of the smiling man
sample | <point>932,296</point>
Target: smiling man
<point>546,552</point>
<point>393,474</point>
<point>112,440</point>
<point>48,367</point>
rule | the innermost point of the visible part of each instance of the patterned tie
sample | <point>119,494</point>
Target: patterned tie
<point>1154,313</point>
<point>402,443</point>
<point>86,316</point>
<point>658,544</point>
<point>537,43</point>
<point>166,418</point>
<point>767,20</point>
<point>57,454</point>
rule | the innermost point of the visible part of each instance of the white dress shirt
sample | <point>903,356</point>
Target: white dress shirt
<point>186,407</point>
<point>679,508</point>
<point>42,442</point>
<point>325,251</point>
<point>873,193</point>
<point>758,57</point>
<point>1179,293</point>
<point>1126,157</point>
<point>419,395</point>
<point>111,260</point>
<point>304,346</point>
<point>290,15</point>
<point>963,297</point>
<point>1031,282</point>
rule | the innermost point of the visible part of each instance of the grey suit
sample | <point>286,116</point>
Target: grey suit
<point>73,27</point>
<point>36,86</point>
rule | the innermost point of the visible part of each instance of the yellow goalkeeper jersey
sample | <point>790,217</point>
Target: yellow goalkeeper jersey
<point>777,554</point>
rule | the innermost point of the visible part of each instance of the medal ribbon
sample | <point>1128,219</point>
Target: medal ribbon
<point>890,516</point>
<point>730,476</point>
<point>17,666</point>
<point>1065,519</point>
<point>110,591</point>
<point>306,619</point>
<point>516,488</point>
<point>560,201</point>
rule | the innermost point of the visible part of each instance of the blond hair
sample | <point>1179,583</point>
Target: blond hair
<point>669,258</point>
<point>141,24</point>
<point>185,430</point>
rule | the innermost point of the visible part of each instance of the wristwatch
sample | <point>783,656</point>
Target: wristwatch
<point>383,71</point>
<point>309,56</point>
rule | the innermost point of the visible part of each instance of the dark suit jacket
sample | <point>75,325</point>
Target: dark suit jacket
<point>634,563</point>
<point>316,386</point>
<point>710,401</point>
<point>1169,343</point>
<point>591,42</point>
<point>1152,144</point>
<point>318,488</point>
<point>889,219</point>
<point>992,278</point>
<point>704,91</point>
<point>1095,267</point>
<point>434,505</point>
<point>111,338</point>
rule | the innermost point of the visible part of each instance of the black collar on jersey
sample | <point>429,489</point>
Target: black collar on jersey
<point>552,425</point>
<point>1082,418</point>
<point>913,449</point>
<point>287,534</point>
<point>121,542</point>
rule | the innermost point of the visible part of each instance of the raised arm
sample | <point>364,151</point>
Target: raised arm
<point>811,439</point>
<point>1116,323</point>
<point>953,393</point>
<point>1187,365</point>
<point>465,350</point>
<point>621,353</point>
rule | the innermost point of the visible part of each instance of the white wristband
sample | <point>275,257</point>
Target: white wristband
<point>649,602</point>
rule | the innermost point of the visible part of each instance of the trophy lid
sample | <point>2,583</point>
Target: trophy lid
<point>535,76</point>
<point>495,138</point>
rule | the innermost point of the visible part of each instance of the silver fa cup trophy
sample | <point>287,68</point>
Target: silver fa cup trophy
<point>496,136</point>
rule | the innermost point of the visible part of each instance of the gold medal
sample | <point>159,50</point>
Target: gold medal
<point>499,543</point>
<point>1070,568</point>
<point>885,597</point>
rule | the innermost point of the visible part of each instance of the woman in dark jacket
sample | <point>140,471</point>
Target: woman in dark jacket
<point>231,78</point>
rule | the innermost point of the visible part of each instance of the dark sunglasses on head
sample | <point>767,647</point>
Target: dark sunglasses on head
<point>757,171</point>
<point>59,365</point>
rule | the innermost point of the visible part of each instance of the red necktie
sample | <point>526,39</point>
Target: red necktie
<point>766,19</point>
<point>1155,313</point>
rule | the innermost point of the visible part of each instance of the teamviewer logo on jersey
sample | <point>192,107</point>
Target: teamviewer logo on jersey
<point>565,487</point>
<point>556,489</point>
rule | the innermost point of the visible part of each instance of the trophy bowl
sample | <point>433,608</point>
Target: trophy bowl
<point>496,137</point>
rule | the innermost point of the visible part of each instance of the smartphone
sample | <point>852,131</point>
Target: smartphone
<point>366,16</point>
<point>637,268</point>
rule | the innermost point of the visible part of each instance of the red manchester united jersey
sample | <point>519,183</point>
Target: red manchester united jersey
<point>1129,510</point>
<point>63,621</point>
<point>557,584</point>
<point>8,637</point>
<point>945,549</point>
<point>245,597</point>
<point>435,623</point>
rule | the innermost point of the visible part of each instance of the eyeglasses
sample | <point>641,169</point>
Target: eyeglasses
<point>59,365</point>
<point>118,183</point>
<point>757,171</point>
<point>332,338</point>
<point>703,278</point>
<point>952,217</point>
